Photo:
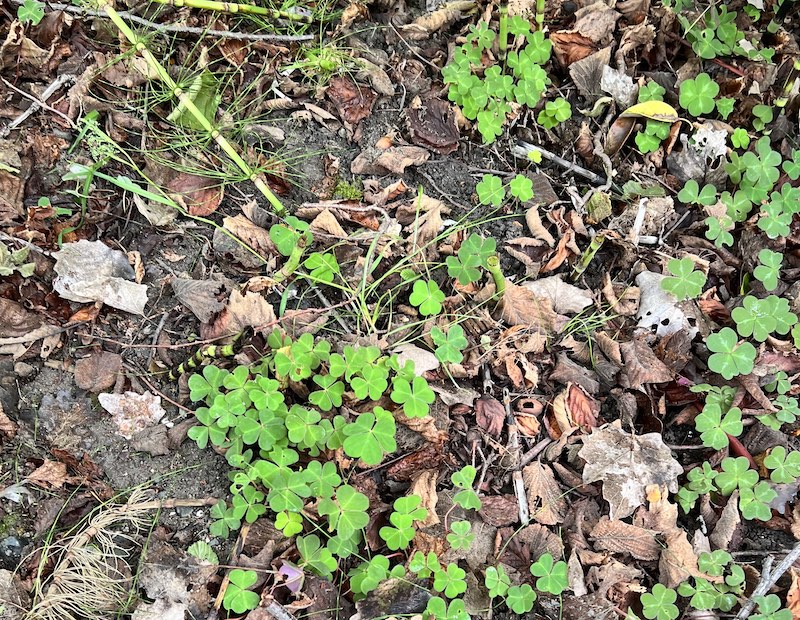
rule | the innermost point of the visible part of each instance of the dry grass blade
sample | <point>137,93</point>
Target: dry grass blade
<point>91,575</point>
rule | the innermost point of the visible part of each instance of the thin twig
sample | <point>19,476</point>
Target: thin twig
<point>768,579</point>
<point>223,34</point>
<point>522,150</point>
<point>39,103</point>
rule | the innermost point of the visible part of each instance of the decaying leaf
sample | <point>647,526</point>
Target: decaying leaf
<point>727,528</point>
<point>425,25</point>
<point>490,415</point>
<point>327,223</point>
<point>626,464</point>
<point>424,487</point>
<point>678,561</point>
<point>569,46</point>
<point>200,195</point>
<point>565,298</point>
<point>395,159</point>
<point>545,499</point>
<point>621,537</point>
<point>353,101</point>
<point>90,271</point>
<point>499,510</point>
<point>199,296</point>
<point>252,234</point>
<point>50,474</point>
<point>641,365</point>
<point>520,306</point>
<point>432,124</point>
<point>132,412</point>
<point>15,319</point>
<point>98,372</point>
<point>248,310</point>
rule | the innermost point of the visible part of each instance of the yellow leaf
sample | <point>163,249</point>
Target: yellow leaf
<point>654,110</point>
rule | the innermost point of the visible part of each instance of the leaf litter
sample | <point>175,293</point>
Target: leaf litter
<point>575,384</point>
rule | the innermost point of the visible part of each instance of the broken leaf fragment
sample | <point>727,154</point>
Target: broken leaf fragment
<point>626,464</point>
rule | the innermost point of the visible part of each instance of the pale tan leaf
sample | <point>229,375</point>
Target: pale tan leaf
<point>50,474</point>
<point>642,366</point>
<point>199,296</point>
<point>620,537</point>
<point>545,499</point>
<point>793,595</point>
<point>678,561</point>
<point>424,487</point>
<point>577,582</point>
<point>727,525</point>
<point>424,426</point>
<point>425,25</point>
<point>565,297</point>
<point>254,236</point>
<point>627,464</point>
<point>8,428</point>
<point>248,310</point>
<point>326,222</point>
<point>541,540</point>
<point>98,371</point>
<point>520,306</point>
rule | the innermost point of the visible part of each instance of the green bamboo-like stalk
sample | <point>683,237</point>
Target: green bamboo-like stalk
<point>493,267</point>
<point>189,105</point>
<point>540,5</point>
<point>232,7</point>
<point>502,39</point>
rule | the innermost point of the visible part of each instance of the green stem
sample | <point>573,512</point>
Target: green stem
<point>232,7</point>
<point>189,105</point>
<point>493,267</point>
<point>540,14</point>
<point>293,262</point>
<point>587,256</point>
<point>503,36</point>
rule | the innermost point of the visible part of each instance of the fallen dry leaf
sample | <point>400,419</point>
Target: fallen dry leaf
<point>570,47</point>
<point>545,499</point>
<point>425,25</point>
<point>499,510</point>
<point>432,124</point>
<point>200,195</point>
<point>16,320</point>
<point>353,101</point>
<point>132,412</point>
<point>641,365</point>
<point>424,487</point>
<point>248,310</point>
<point>327,223</point>
<point>565,297</point>
<point>199,296</point>
<point>253,235</point>
<point>620,537</point>
<point>395,159</point>
<point>8,428</point>
<point>490,415</point>
<point>793,595</point>
<point>50,475</point>
<point>98,372</point>
<point>520,306</point>
<point>727,528</point>
<point>626,464</point>
<point>678,561</point>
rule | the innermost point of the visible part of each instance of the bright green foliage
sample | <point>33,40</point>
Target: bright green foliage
<point>438,609</point>
<point>371,382</point>
<point>554,113</point>
<point>552,575</point>
<point>761,317</point>
<point>754,501</point>
<point>238,598</point>
<point>762,116</point>
<point>368,575</point>
<point>714,427</point>
<point>697,95</point>
<point>652,91</point>
<point>761,167</point>
<point>497,581</point>
<point>700,480</point>
<point>466,497</point>
<point>785,467</point>
<point>459,536</point>
<point>370,436</point>
<point>686,283</point>
<point>401,533</point>
<point>736,473</point>
<point>788,412</point>
<point>322,478</point>
<point>769,268</point>
<point>490,190</point>
<point>450,580</point>
<point>31,12</point>
<point>347,513</point>
<point>520,599</point>
<point>225,520</point>
<point>702,594</point>
<point>718,230</point>
<point>415,396</point>
<point>290,523</point>
<point>780,384</point>
<point>716,33</point>
<point>725,106</point>
<point>427,297</point>
<point>774,221</point>
<point>521,188</point>
<point>660,604</point>
<point>769,608</point>
<point>692,194</point>
<point>473,253</point>
<point>423,566</point>
<point>330,395</point>
<point>487,98</point>
<point>204,552</point>
<point>792,166</point>
<point>315,557</point>
<point>449,346</point>
<point>285,237</point>
<point>730,358</point>
<point>323,267</point>
<point>714,563</point>
<point>650,139</point>
<point>740,138</point>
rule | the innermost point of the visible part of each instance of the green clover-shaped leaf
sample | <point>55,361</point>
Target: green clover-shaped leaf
<point>427,297</point>
<point>730,358</point>
<point>697,95</point>
<point>449,346</point>
<point>552,575</point>
<point>415,396</point>
<point>490,190</point>
<point>370,436</point>
<point>686,283</point>
<point>238,598</point>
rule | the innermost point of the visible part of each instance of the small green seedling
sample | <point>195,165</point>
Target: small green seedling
<point>714,427</point>
<point>466,497</point>
<point>450,581</point>
<point>238,598</point>
<point>449,346</point>
<point>697,95</point>
<point>552,575</point>
<point>497,581</point>
<point>427,297</point>
<point>438,609</point>
<point>762,116</point>
<point>730,358</point>
<point>407,510</point>
<point>740,138</point>
<point>685,283</point>
<point>415,396</point>
<point>459,536</point>
<point>520,599</point>
<point>692,194</point>
<point>769,608</point>
<point>554,113</point>
<point>660,604</point>
<point>768,269</point>
<point>490,190</point>
<point>31,12</point>
<point>370,436</point>
<point>785,467</point>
